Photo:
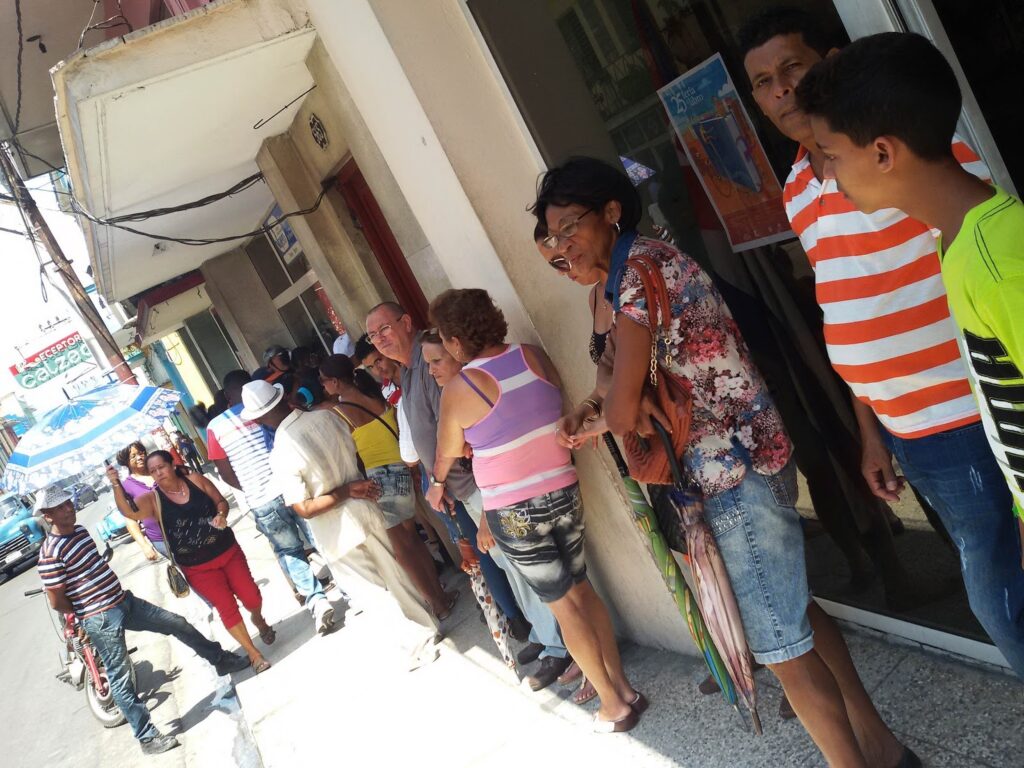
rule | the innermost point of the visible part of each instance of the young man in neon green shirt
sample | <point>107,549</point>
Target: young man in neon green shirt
<point>884,111</point>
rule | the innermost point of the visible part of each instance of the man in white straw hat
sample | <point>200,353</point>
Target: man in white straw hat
<point>78,580</point>
<point>316,470</point>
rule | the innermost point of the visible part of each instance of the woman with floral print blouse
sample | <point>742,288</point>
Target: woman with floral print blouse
<point>737,453</point>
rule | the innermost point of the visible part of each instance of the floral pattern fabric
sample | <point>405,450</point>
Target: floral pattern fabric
<point>732,409</point>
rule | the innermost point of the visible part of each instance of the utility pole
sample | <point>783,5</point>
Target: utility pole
<point>39,232</point>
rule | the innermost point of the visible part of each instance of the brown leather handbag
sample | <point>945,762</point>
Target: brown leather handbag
<point>646,458</point>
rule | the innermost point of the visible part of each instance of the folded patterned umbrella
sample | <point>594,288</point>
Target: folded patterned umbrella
<point>497,621</point>
<point>84,431</point>
<point>647,521</point>
<point>715,597</point>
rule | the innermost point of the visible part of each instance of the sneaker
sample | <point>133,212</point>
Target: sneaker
<point>529,654</point>
<point>159,743</point>
<point>231,662</point>
<point>323,616</point>
<point>550,668</point>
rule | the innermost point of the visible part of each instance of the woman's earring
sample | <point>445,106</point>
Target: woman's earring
<point>618,229</point>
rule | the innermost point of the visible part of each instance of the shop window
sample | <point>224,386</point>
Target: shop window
<point>585,76</point>
<point>989,44</point>
<point>294,288</point>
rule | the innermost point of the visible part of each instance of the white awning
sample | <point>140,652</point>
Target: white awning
<point>166,116</point>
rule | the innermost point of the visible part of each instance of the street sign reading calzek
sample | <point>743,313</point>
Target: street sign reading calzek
<point>56,359</point>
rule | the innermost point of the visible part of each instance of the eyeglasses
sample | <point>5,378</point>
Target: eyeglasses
<point>372,336</point>
<point>566,230</point>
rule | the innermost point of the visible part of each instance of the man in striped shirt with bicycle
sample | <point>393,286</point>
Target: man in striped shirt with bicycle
<point>889,332</point>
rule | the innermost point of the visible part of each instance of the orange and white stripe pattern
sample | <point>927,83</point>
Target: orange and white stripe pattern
<point>887,324</point>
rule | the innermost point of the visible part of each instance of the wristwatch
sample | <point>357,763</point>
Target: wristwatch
<point>435,482</point>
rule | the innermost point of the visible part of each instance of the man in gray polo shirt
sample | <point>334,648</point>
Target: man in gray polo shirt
<point>390,329</point>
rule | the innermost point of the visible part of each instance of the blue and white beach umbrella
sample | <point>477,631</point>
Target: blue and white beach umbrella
<point>84,431</point>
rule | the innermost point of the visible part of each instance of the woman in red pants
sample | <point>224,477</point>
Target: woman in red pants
<point>195,522</point>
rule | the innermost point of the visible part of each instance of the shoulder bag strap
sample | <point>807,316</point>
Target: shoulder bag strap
<point>656,296</point>
<point>158,507</point>
<point>367,410</point>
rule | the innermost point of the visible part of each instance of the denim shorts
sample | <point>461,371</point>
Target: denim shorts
<point>758,533</point>
<point>542,538</point>
<point>396,501</point>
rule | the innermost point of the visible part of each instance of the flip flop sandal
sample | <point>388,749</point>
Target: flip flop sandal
<point>639,703</point>
<point>268,635</point>
<point>449,607</point>
<point>585,693</point>
<point>260,666</point>
<point>623,724</point>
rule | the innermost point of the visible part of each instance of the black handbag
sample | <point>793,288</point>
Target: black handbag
<point>175,580</point>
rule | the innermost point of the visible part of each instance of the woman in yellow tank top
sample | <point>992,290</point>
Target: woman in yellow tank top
<point>374,427</point>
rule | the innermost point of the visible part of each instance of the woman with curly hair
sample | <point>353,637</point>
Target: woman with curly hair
<point>146,533</point>
<point>504,404</point>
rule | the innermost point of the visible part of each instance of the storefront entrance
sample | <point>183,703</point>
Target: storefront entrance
<point>585,76</point>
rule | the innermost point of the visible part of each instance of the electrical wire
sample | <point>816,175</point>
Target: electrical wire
<point>266,229</point>
<point>241,186</point>
<point>21,48</point>
<point>117,20</point>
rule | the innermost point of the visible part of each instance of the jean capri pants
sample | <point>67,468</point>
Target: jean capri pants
<point>396,501</point>
<point>542,538</point>
<point>758,533</point>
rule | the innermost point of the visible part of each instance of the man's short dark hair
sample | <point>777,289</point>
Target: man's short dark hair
<point>785,20</point>
<point>890,84</point>
<point>364,348</point>
<point>235,380</point>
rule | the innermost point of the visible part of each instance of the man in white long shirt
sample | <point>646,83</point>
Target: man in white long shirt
<point>315,469</point>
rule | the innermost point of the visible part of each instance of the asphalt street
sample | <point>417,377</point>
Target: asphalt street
<point>45,721</point>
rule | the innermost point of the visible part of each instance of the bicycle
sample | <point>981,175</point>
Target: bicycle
<point>82,667</point>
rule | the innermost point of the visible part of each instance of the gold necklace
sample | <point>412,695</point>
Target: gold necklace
<point>182,492</point>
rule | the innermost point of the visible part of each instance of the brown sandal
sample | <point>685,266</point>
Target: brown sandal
<point>586,692</point>
<point>268,635</point>
<point>623,724</point>
<point>260,666</point>
<point>450,606</point>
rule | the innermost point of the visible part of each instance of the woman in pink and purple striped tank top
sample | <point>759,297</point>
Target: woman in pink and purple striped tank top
<point>505,405</point>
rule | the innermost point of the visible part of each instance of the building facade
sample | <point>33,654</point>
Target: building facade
<point>412,136</point>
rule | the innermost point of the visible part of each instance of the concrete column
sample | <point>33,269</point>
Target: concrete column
<point>352,283</point>
<point>245,306</point>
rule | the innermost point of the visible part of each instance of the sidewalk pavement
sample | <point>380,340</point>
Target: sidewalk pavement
<point>348,695</point>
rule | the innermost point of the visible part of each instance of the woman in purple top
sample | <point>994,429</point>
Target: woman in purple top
<point>504,405</point>
<point>147,534</point>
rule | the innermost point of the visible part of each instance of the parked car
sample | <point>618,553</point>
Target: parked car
<point>21,533</point>
<point>82,494</point>
<point>113,525</point>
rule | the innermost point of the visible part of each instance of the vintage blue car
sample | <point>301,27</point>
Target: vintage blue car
<point>21,533</point>
<point>113,526</point>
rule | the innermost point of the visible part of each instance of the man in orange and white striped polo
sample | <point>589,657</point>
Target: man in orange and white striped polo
<point>889,333</point>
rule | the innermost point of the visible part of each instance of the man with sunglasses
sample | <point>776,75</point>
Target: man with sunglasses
<point>390,329</point>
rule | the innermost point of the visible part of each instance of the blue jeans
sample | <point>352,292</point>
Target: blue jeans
<point>106,630</point>
<point>545,629</point>
<point>957,474</point>
<point>281,525</point>
<point>757,530</point>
